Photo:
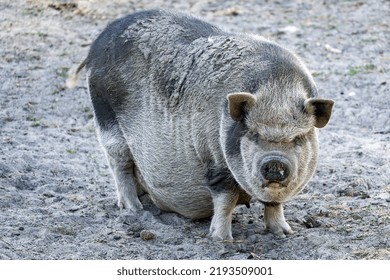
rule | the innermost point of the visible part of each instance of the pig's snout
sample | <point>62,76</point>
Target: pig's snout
<point>275,169</point>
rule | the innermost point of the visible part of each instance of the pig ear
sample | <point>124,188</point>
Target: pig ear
<point>237,102</point>
<point>321,109</point>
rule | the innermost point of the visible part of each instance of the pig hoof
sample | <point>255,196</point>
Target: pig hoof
<point>280,230</point>
<point>215,236</point>
<point>220,238</point>
<point>130,205</point>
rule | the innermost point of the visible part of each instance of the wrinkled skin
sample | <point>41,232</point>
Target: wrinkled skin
<point>203,120</point>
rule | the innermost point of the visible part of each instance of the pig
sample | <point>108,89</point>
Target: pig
<point>201,119</point>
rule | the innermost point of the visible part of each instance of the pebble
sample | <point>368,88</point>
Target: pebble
<point>288,29</point>
<point>147,235</point>
<point>332,49</point>
<point>223,252</point>
<point>311,222</point>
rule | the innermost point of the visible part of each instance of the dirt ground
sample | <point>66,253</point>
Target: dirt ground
<point>57,196</point>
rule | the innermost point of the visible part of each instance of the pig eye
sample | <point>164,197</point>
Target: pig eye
<point>254,137</point>
<point>299,140</point>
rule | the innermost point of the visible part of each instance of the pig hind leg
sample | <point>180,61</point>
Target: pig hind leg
<point>118,155</point>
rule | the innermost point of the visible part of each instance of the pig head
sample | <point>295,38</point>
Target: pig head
<point>269,139</point>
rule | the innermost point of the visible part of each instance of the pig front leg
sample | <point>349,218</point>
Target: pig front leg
<point>275,221</point>
<point>221,223</point>
<point>225,194</point>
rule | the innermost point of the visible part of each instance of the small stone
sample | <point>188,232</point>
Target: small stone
<point>223,252</point>
<point>241,248</point>
<point>311,222</point>
<point>147,235</point>
<point>288,29</point>
<point>329,48</point>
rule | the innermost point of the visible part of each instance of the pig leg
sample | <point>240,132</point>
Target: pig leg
<point>118,154</point>
<point>221,223</point>
<point>224,194</point>
<point>122,168</point>
<point>275,221</point>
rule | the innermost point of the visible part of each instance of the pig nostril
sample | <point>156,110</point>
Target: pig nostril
<point>275,170</point>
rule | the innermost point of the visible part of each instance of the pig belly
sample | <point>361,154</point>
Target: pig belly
<point>192,202</point>
<point>173,174</point>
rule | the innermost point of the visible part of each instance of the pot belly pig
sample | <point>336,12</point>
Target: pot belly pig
<point>201,119</point>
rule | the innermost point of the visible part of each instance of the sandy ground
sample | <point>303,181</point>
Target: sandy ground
<point>57,197</point>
